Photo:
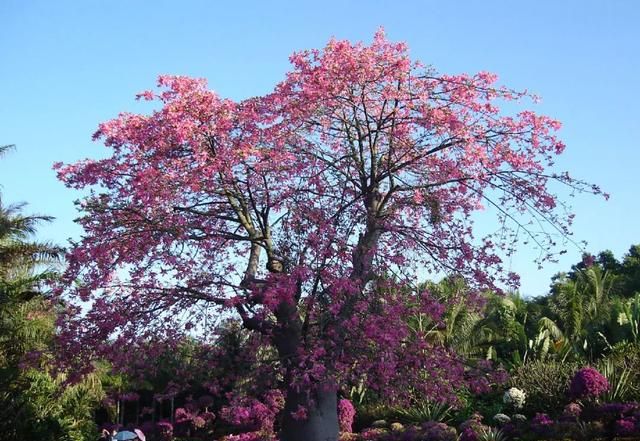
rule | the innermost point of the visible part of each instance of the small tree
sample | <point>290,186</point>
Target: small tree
<point>287,208</point>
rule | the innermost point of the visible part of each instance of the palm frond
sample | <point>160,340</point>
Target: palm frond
<point>5,148</point>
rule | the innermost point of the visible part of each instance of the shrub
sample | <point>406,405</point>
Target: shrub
<point>574,430</point>
<point>625,427</point>
<point>492,434</point>
<point>367,414</point>
<point>249,436</point>
<point>372,434</point>
<point>612,411</point>
<point>546,384</point>
<point>206,401</point>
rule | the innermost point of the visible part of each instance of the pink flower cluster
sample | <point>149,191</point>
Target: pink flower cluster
<point>346,415</point>
<point>189,418</point>
<point>573,410</point>
<point>251,414</point>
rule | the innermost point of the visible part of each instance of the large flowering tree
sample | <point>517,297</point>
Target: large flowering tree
<point>304,211</point>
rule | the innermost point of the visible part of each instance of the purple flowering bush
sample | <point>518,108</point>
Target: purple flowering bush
<point>588,383</point>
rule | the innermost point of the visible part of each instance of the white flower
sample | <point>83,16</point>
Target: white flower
<point>519,418</point>
<point>501,418</point>
<point>514,397</point>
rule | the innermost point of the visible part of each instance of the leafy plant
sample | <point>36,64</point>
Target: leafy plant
<point>422,412</point>
<point>629,318</point>
<point>619,378</point>
<point>491,434</point>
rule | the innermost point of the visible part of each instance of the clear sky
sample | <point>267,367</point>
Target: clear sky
<point>65,66</point>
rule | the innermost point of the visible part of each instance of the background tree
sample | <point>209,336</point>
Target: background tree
<point>287,208</point>
<point>630,271</point>
<point>36,403</point>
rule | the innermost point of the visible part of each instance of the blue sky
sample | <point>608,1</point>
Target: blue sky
<point>68,65</point>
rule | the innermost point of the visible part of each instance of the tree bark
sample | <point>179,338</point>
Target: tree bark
<point>321,423</point>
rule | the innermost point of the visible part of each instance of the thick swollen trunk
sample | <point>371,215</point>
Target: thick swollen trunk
<point>321,423</point>
<point>320,404</point>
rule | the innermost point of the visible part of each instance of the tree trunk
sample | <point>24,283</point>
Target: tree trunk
<point>321,423</point>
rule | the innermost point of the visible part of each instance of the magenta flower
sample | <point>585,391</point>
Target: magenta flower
<point>541,423</point>
<point>625,427</point>
<point>588,383</point>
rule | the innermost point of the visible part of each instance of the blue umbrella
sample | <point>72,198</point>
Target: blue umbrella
<point>125,435</point>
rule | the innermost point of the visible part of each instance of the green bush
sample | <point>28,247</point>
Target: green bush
<point>546,384</point>
<point>368,413</point>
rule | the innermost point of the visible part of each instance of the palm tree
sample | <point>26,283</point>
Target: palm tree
<point>459,321</point>
<point>583,307</point>
<point>25,269</point>
<point>472,331</point>
<point>35,403</point>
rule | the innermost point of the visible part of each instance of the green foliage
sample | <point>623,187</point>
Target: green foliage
<point>460,331</point>
<point>49,409</point>
<point>486,405</point>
